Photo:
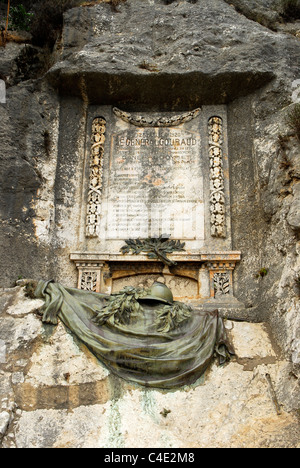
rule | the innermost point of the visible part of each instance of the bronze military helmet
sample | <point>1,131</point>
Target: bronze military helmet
<point>160,292</point>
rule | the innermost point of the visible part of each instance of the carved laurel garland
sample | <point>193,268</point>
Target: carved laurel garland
<point>96,175</point>
<point>217,195</point>
<point>142,121</point>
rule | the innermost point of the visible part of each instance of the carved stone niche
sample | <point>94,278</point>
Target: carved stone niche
<point>150,175</point>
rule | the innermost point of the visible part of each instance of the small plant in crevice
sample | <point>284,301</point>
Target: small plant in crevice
<point>262,273</point>
<point>20,19</point>
<point>165,412</point>
<point>293,120</point>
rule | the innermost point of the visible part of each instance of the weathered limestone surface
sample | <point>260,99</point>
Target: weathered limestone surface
<point>55,394</point>
<point>210,47</point>
<point>156,57</point>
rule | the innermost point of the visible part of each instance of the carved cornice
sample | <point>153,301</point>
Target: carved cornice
<point>214,260</point>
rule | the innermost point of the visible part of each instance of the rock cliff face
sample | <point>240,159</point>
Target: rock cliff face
<point>173,56</point>
<point>160,56</point>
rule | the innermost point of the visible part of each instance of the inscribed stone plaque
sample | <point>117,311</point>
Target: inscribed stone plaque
<point>155,184</point>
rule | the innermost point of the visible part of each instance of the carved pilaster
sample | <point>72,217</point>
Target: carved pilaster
<point>96,175</point>
<point>217,189</point>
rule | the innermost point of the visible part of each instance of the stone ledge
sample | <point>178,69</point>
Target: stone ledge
<point>95,257</point>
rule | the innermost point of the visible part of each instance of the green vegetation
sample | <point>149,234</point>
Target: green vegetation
<point>19,18</point>
<point>44,18</point>
<point>262,273</point>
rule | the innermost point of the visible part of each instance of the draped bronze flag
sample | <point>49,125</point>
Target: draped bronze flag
<point>151,344</point>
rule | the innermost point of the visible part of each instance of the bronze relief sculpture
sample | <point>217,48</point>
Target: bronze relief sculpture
<point>143,336</point>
